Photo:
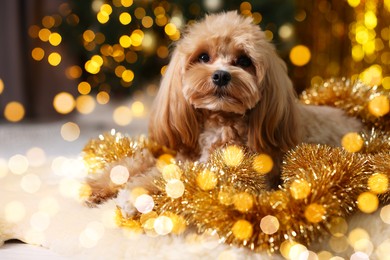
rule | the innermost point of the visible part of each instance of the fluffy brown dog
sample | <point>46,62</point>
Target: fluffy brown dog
<point>225,84</point>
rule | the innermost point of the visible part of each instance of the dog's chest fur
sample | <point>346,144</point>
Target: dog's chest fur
<point>219,129</point>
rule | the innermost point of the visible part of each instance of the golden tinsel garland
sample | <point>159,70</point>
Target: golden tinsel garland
<point>112,147</point>
<point>371,104</point>
<point>226,196</point>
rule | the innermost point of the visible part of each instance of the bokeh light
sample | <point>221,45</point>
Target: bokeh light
<point>122,115</point>
<point>1,86</point>
<point>300,189</point>
<point>70,131</point>
<point>18,164</point>
<point>119,174</point>
<point>14,111</point>
<point>300,55</point>
<point>144,203</point>
<point>368,202</point>
<point>54,58</point>
<point>269,224</point>
<point>242,229</point>
<point>37,53</point>
<point>174,188</point>
<point>243,201</point>
<point>64,103</point>
<point>232,156</point>
<point>207,180</point>
<point>352,142</point>
<point>263,163</point>
<point>163,225</point>
<point>85,104</point>
<point>36,156</point>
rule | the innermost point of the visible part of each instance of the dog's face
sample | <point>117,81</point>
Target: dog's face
<point>224,66</point>
<point>225,63</point>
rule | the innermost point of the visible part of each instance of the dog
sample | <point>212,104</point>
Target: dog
<point>226,85</point>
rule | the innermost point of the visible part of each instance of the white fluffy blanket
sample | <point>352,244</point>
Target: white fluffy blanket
<point>41,207</point>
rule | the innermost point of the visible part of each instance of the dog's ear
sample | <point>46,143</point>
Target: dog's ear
<point>173,121</point>
<point>273,121</point>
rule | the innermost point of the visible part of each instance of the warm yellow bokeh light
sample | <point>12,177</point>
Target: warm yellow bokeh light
<point>315,213</point>
<point>48,21</point>
<point>352,142</point>
<point>242,229</point>
<point>1,86</point>
<point>164,160</point>
<point>368,202</point>
<point>300,189</point>
<point>37,54</point>
<point>126,3</point>
<point>106,9</point>
<point>370,20</point>
<point>232,156</point>
<point>243,201</point>
<point>174,188</point>
<point>92,66</point>
<point>379,106</point>
<point>263,163</point>
<point>73,72</point>
<point>102,97</point>
<point>102,18</point>
<point>137,37</point>
<point>122,115</point>
<point>44,34</point>
<point>14,111</point>
<point>386,82</point>
<point>85,104</point>
<point>378,183</point>
<point>353,3</point>
<point>128,75</point>
<point>54,58</point>
<point>147,22</point>
<point>55,39</point>
<point>170,29</point>
<point>125,18</point>
<point>171,171</point>
<point>88,35</point>
<point>207,180</point>
<point>139,12</point>
<point>84,88</point>
<point>64,103</point>
<point>300,55</point>
<point>138,109</point>
<point>125,41</point>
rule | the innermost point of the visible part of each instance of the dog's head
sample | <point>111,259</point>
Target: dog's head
<point>225,63</point>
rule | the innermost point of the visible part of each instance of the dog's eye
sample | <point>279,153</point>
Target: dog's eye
<point>204,57</point>
<point>243,61</point>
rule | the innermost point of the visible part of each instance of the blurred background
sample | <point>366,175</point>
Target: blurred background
<point>104,58</point>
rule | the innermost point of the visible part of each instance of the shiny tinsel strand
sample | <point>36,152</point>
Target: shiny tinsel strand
<point>351,96</point>
<point>380,163</point>
<point>112,147</point>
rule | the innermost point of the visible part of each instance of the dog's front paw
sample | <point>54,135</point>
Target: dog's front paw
<point>98,192</point>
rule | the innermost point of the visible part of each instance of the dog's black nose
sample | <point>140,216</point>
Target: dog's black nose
<point>221,78</point>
